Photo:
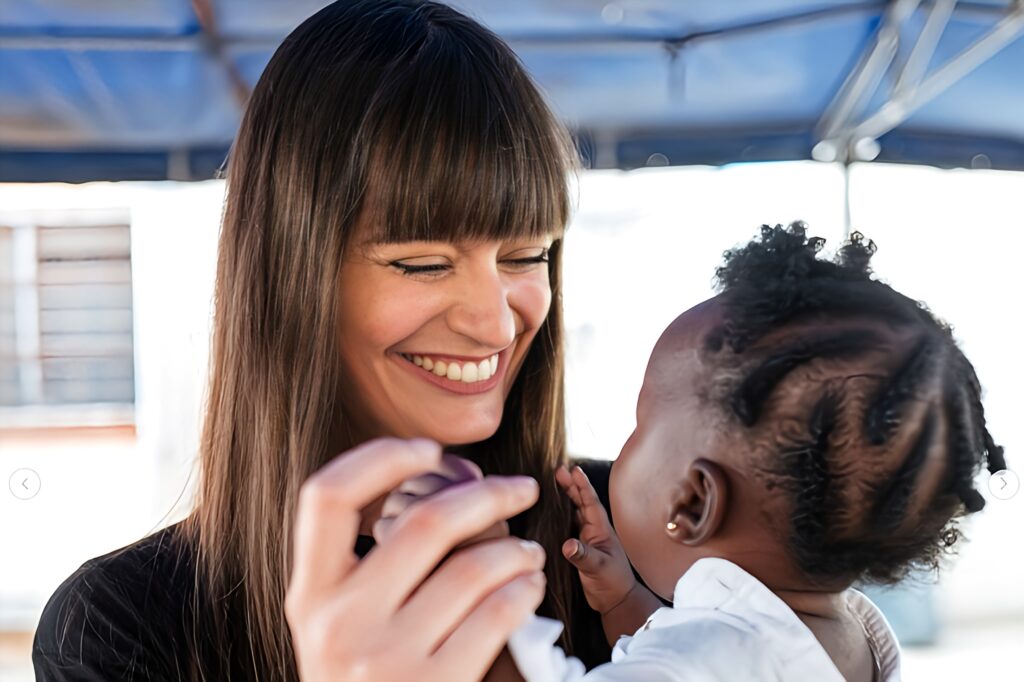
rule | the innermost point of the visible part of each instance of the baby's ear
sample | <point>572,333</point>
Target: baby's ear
<point>698,508</point>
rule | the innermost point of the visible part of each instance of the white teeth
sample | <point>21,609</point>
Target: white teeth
<point>467,373</point>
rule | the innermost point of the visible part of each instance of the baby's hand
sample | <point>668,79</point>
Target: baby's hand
<point>604,569</point>
<point>453,471</point>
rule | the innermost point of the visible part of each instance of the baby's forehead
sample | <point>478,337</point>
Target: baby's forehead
<point>691,327</point>
<point>680,358</point>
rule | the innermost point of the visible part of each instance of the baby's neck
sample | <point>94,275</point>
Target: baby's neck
<point>813,603</point>
<point>827,615</point>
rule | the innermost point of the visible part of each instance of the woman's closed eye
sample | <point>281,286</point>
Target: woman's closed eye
<point>431,267</point>
<point>525,259</point>
<point>413,267</point>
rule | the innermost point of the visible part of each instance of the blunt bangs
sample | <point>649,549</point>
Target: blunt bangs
<point>466,148</point>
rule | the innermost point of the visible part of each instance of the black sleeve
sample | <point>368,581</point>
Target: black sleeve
<point>91,630</point>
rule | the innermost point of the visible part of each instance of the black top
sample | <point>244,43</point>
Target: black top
<point>127,615</point>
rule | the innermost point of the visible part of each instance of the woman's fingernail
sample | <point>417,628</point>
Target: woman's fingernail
<point>425,447</point>
<point>532,547</point>
<point>525,484</point>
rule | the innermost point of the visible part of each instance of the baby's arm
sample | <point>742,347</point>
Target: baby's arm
<point>608,581</point>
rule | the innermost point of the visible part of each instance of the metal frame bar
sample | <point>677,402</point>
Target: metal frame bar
<point>206,15</point>
<point>864,78</point>
<point>902,106</point>
<point>924,49</point>
<point>843,139</point>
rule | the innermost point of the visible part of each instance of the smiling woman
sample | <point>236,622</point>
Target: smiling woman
<point>469,312</point>
<point>389,271</point>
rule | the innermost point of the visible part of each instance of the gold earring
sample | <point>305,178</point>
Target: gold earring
<point>671,526</point>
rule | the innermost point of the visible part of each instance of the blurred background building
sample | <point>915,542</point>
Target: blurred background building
<point>697,121</point>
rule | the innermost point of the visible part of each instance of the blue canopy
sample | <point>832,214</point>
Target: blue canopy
<point>153,89</point>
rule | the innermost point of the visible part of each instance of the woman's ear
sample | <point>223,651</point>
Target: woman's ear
<point>699,506</point>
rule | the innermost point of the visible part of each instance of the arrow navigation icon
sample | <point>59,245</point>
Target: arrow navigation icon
<point>1003,484</point>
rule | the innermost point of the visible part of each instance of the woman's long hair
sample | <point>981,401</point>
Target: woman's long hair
<point>418,118</point>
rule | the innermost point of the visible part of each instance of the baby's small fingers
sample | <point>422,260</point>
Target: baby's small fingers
<point>589,502</point>
<point>563,478</point>
<point>585,558</point>
<point>574,495</point>
<point>588,496</point>
<point>568,485</point>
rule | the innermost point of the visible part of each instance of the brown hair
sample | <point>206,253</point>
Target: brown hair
<point>421,119</point>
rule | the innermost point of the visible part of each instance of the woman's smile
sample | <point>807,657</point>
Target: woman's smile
<point>460,374</point>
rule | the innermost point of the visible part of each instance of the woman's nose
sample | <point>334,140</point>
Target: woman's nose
<point>482,311</point>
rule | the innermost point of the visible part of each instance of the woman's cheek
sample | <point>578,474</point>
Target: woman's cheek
<point>395,309</point>
<point>532,298</point>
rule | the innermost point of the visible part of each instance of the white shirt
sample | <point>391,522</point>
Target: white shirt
<point>724,624</point>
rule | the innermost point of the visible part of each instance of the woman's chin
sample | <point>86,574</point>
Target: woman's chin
<point>463,434</point>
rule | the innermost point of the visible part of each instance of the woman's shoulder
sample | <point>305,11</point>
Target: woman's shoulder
<point>100,620</point>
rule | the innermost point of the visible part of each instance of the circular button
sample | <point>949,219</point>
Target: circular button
<point>1003,484</point>
<point>24,484</point>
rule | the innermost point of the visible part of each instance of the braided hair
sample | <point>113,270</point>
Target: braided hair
<point>851,519</point>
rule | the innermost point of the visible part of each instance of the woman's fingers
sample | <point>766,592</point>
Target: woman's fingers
<point>476,643</point>
<point>397,502</point>
<point>462,582</point>
<point>427,484</point>
<point>421,537</point>
<point>459,468</point>
<point>382,528</point>
<point>328,512</point>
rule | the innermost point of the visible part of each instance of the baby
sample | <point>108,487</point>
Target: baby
<point>808,428</point>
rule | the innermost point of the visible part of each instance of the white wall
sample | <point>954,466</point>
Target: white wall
<point>101,491</point>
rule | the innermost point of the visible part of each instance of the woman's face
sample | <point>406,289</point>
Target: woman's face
<point>433,334</point>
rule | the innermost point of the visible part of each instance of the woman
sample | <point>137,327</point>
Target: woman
<point>389,267</point>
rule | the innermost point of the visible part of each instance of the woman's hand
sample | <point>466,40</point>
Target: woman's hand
<point>605,571</point>
<point>453,471</point>
<point>392,616</point>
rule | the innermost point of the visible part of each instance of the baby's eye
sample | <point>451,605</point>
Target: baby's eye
<point>525,259</point>
<point>428,268</point>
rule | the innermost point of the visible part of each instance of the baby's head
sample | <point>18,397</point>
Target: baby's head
<point>809,423</point>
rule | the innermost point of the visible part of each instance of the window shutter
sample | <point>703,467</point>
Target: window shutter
<point>85,314</point>
<point>10,391</point>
